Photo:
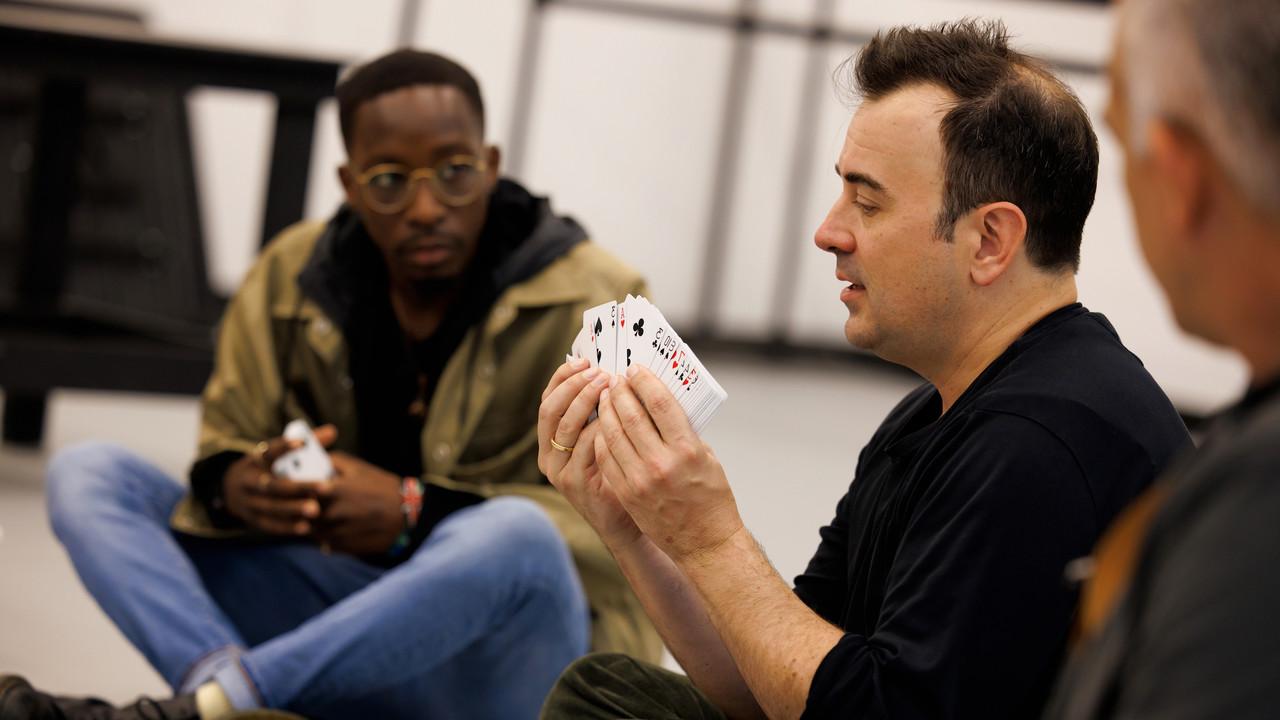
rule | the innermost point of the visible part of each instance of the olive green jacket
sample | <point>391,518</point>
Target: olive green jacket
<point>480,434</point>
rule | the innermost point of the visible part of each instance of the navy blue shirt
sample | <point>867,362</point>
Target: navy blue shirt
<point>944,562</point>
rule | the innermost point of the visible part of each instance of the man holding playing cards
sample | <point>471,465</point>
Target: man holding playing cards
<point>937,590</point>
<point>436,574</point>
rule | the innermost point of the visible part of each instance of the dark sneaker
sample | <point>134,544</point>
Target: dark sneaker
<point>20,701</point>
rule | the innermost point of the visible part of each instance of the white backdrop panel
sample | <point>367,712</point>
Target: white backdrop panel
<point>817,315</point>
<point>624,132</point>
<point>753,243</point>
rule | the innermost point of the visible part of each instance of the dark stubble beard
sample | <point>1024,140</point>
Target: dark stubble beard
<point>429,289</point>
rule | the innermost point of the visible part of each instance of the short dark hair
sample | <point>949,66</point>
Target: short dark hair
<point>400,69</point>
<point>1015,134</point>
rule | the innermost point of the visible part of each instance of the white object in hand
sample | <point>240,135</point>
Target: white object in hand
<point>309,463</point>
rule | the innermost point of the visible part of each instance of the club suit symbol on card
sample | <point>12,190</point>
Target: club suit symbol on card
<point>637,335</point>
<point>658,338</point>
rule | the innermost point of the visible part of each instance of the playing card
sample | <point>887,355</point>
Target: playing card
<point>713,397</point>
<point>601,322</point>
<point>636,343</point>
<point>308,463</point>
<point>664,345</point>
<point>634,333</point>
<point>697,392</point>
<point>671,363</point>
<point>582,347</point>
<point>619,340</point>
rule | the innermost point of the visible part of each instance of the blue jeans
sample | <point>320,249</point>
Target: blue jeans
<point>477,623</point>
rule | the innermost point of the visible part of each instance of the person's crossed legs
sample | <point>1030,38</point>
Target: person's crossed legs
<point>483,616</point>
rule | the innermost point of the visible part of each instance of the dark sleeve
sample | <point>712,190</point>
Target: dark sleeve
<point>437,504</point>
<point>825,580</point>
<point>976,613</point>
<point>206,485</point>
<point>1208,643</point>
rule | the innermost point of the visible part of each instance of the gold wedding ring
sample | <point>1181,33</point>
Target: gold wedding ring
<point>260,452</point>
<point>561,448</point>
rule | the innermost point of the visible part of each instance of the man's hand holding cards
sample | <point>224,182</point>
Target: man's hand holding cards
<point>634,333</point>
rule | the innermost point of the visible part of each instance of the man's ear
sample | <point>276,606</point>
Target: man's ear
<point>348,180</point>
<point>998,233</point>
<point>493,160</point>
<point>1182,168</point>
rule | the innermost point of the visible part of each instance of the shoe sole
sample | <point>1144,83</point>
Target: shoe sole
<point>8,684</point>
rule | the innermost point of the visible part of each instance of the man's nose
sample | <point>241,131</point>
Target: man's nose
<point>423,206</point>
<point>833,236</point>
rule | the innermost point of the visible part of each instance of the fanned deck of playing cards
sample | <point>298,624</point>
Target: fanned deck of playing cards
<point>615,336</point>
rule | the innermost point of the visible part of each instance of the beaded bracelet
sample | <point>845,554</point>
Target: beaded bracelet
<point>411,490</point>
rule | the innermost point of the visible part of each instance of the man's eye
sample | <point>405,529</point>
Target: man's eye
<point>865,208</point>
<point>454,171</point>
<point>387,181</point>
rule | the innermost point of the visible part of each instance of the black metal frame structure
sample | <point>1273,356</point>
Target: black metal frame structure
<point>40,347</point>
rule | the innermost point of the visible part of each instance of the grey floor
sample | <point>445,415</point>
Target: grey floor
<point>788,437</point>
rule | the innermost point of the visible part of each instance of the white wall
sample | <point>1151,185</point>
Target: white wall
<point>623,135</point>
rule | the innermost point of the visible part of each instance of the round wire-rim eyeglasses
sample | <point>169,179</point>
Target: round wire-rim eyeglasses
<point>436,178</point>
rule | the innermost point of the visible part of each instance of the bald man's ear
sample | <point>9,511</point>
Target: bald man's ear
<point>1182,170</point>
<point>999,232</point>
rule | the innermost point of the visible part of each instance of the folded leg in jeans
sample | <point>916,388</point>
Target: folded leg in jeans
<point>478,622</point>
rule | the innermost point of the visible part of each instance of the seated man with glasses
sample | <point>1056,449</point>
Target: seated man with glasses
<point>436,574</point>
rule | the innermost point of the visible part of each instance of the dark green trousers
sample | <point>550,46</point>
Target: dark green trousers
<point>609,686</point>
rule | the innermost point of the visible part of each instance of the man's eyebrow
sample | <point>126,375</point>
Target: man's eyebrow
<point>857,178</point>
<point>383,159</point>
<point>454,147</point>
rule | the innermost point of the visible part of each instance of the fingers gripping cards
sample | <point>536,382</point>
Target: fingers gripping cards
<point>616,336</point>
<point>308,463</point>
